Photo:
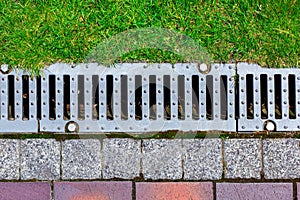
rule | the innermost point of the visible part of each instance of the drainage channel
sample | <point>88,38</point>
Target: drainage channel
<point>144,97</point>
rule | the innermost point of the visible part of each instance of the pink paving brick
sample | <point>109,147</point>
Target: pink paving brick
<point>28,191</point>
<point>257,191</point>
<point>94,190</point>
<point>174,191</point>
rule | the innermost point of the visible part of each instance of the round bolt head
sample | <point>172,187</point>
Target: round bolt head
<point>4,68</point>
<point>71,127</point>
<point>203,67</point>
<point>270,126</point>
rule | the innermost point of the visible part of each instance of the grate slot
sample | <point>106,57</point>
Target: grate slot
<point>167,94</point>
<point>95,96</point>
<point>181,97</point>
<point>223,97</point>
<point>66,96</point>
<point>264,96</point>
<point>11,97</point>
<point>292,96</point>
<point>249,91</point>
<point>52,97</point>
<point>209,97</point>
<point>138,97</point>
<point>25,97</point>
<point>278,107</point>
<point>124,97</point>
<point>80,92</point>
<point>152,96</point>
<point>38,97</point>
<point>109,97</point>
<point>195,97</point>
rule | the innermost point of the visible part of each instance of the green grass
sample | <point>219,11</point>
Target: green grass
<point>38,33</point>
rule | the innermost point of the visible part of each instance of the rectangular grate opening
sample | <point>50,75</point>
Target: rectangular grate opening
<point>95,97</point>
<point>167,94</point>
<point>109,97</point>
<point>80,93</point>
<point>181,98</point>
<point>209,97</point>
<point>124,97</point>
<point>67,94</point>
<point>223,97</point>
<point>152,96</point>
<point>278,107</point>
<point>195,97</point>
<point>292,96</point>
<point>11,97</point>
<point>138,98</point>
<point>249,91</point>
<point>38,98</point>
<point>25,97</point>
<point>264,96</point>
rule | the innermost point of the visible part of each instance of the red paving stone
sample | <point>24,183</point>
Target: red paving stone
<point>257,191</point>
<point>26,191</point>
<point>174,191</point>
<point>95,190</point>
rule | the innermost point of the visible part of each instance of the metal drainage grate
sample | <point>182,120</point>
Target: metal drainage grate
<point>268,98</point>
<point>125,98</point>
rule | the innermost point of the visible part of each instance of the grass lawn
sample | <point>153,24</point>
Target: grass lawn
<point>36,33</point>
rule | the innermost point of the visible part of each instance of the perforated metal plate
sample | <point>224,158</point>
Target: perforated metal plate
<point>124,98</point>
<point>268,95</point>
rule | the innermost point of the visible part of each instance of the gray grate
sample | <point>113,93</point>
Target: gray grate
<point>268,95</point>
<point>125,98</point>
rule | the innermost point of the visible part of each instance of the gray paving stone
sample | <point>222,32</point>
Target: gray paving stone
<point>202,159</point>
<point>9,159</point>
<point>281,158</point>
<point>257,191</point>
<point>161,159</point>
<point>243,158</point>
<point>121,158</point>
<point>81,159</point>
<point>40,159</point>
